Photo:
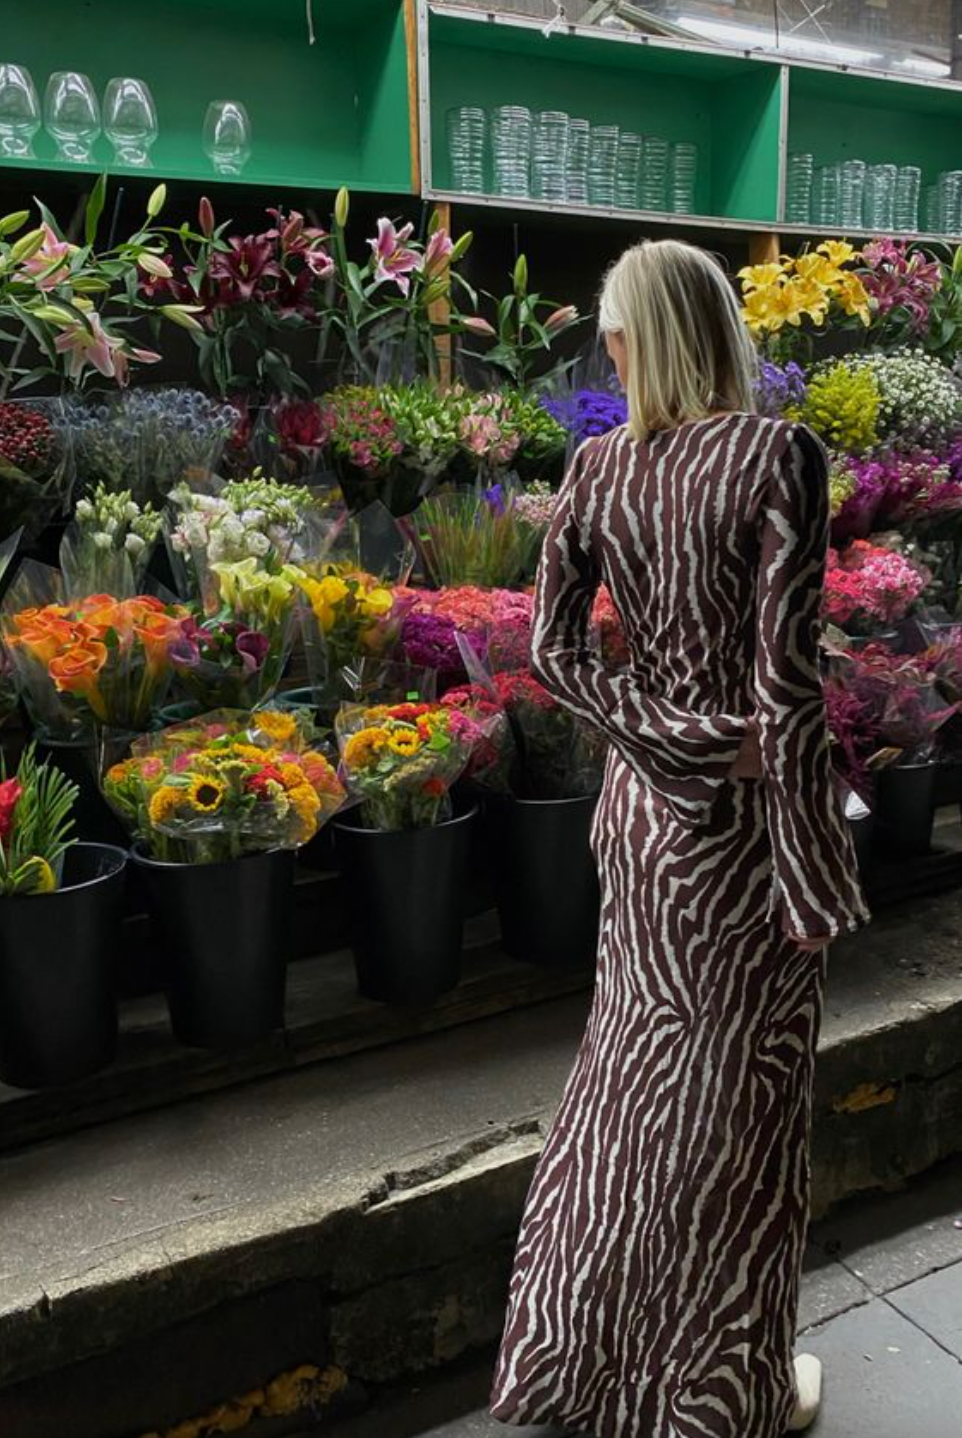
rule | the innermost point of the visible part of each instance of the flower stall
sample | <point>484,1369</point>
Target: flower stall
<point>287,591</point>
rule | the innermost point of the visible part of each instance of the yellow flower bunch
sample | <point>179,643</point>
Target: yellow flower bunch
<point>787,291</point>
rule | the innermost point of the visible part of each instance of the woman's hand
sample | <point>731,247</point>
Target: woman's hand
<point>748,764</point>
<point>811,946</point>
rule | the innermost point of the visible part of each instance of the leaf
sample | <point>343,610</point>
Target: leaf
<point>95,208</point>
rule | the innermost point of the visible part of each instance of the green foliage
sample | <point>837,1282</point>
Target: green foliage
<point>36,824</point>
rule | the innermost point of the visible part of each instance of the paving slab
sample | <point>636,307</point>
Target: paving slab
<point>885,1378</point>
<point>828,1288</point>
<point>934,1304</point>
<point>887,1245</point>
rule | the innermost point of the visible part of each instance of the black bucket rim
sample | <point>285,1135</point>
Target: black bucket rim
<point>460,818</point>
<point>139,857</point>
<point>506,800</point>
<point>65,889</point>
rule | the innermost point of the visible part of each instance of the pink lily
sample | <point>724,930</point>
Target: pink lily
<point>123,357</point>
<point>85,346</point>
<point>478,326</point>
<point>394,262</point>
<point>319,262</point>
<point>558,319</point>
<point>50,261</point>
<point>438,252</point>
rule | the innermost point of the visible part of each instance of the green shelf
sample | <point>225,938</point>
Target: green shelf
<point>324,115</point>
<point>729,106</point>
<point>837,116</point>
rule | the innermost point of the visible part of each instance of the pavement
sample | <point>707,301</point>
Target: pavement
<point>881,1306</point>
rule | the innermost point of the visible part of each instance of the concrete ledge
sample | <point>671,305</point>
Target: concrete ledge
<point>400,1255</point>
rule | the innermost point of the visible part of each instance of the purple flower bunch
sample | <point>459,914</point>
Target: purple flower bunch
<point>430,641</point>
<point>222,663</point>
<point>779,388</point>
<point>900,279</point>
<point>891,488</point>
<point>588,412</point>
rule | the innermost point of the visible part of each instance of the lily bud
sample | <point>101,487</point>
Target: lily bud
<point>54,315</point>
<point>521,276</point>
<point>153,265</point>
<point>478,326</point>
<point>205,217</point>
<point>183,315</point>
<point>561,317</point>
<point>292,230</point>
<point>434,223</point>
<point>10,224</point>
<point>342,207</point>
<point>89,285</point>
<point>437,289</point>
<point>158,198</point>
<point>26,247</point>
<point>461,246</point>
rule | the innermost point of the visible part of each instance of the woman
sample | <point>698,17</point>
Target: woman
<point>656,1283</point>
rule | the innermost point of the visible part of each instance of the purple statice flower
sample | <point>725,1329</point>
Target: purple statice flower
<point>891,488</point>
<point>779,387</point>
<point>588,412</point>
<point>494,497</point>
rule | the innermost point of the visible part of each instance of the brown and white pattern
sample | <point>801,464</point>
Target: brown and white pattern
<point>655,1286</point>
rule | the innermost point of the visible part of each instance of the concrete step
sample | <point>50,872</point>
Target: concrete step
<point>358,1216</point>
<point>881,1306</point>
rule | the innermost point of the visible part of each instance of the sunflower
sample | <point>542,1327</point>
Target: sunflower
<point>292,775</point>
<point>279,727</point>
<point>163,803</point>
<point>404,742</point>
<point>206,793</point>
<point>363,747</point>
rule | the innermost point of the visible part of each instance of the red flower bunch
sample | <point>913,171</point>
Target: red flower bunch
<point>26,439</point>
<point>867,584</point>
<point>11,791</point>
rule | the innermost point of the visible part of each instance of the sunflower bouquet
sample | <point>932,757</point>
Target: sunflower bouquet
<point>225,785</point>
<point>401,760</point>
<point>87,663</point>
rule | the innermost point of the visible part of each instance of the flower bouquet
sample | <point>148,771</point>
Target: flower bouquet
<point>290,439</point>
<point>255,518</point>
<point>36,465</point>
<point>868,586</point>
<point>365,444</point>
<point>438,624</point>
<point>474,537</point>
<point>222,663</point>
<point>401,760</point>
<point>88,663</point>
<point>35,825</point>
<point>588,412</point>
<point>107,548</point>
<point>148,441</point>
<point>225,785</point>
<point>544,752</point>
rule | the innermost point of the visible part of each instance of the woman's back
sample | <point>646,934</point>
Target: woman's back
<point>673,527</point>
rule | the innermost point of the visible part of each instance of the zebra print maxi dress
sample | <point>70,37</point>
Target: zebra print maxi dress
<point>656,1279</point>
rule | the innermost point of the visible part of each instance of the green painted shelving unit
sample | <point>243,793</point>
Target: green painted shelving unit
<point>746,112</point>
<point>729,106</point>
<point>333,113</point>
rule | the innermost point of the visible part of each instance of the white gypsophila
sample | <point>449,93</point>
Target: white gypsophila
<point>920,400</point>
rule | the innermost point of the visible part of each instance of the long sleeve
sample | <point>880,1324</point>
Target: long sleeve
<point>683,756</point>
<point>816,875</point>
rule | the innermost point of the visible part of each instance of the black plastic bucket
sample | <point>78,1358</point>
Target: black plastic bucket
<point>545,879</point>
<point>225,931</point>
<point>905,809</point>
<point>405,895</point>
<point>58,953</point>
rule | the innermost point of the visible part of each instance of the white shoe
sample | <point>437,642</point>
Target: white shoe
<point>808,1387</point>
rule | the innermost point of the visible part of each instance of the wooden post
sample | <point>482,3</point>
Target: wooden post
<point>414,124</point>
<point>441,309</point>
<point>764,248</point>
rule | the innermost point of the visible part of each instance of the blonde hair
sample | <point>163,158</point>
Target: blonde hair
<point>689,351</point>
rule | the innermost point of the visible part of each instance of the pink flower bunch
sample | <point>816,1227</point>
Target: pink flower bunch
<point>889,489</point>
<point>360,430</point>
<point>899,279</point>
<point>611,632</point>
<point>488,431</point>
<point>868,584</point>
